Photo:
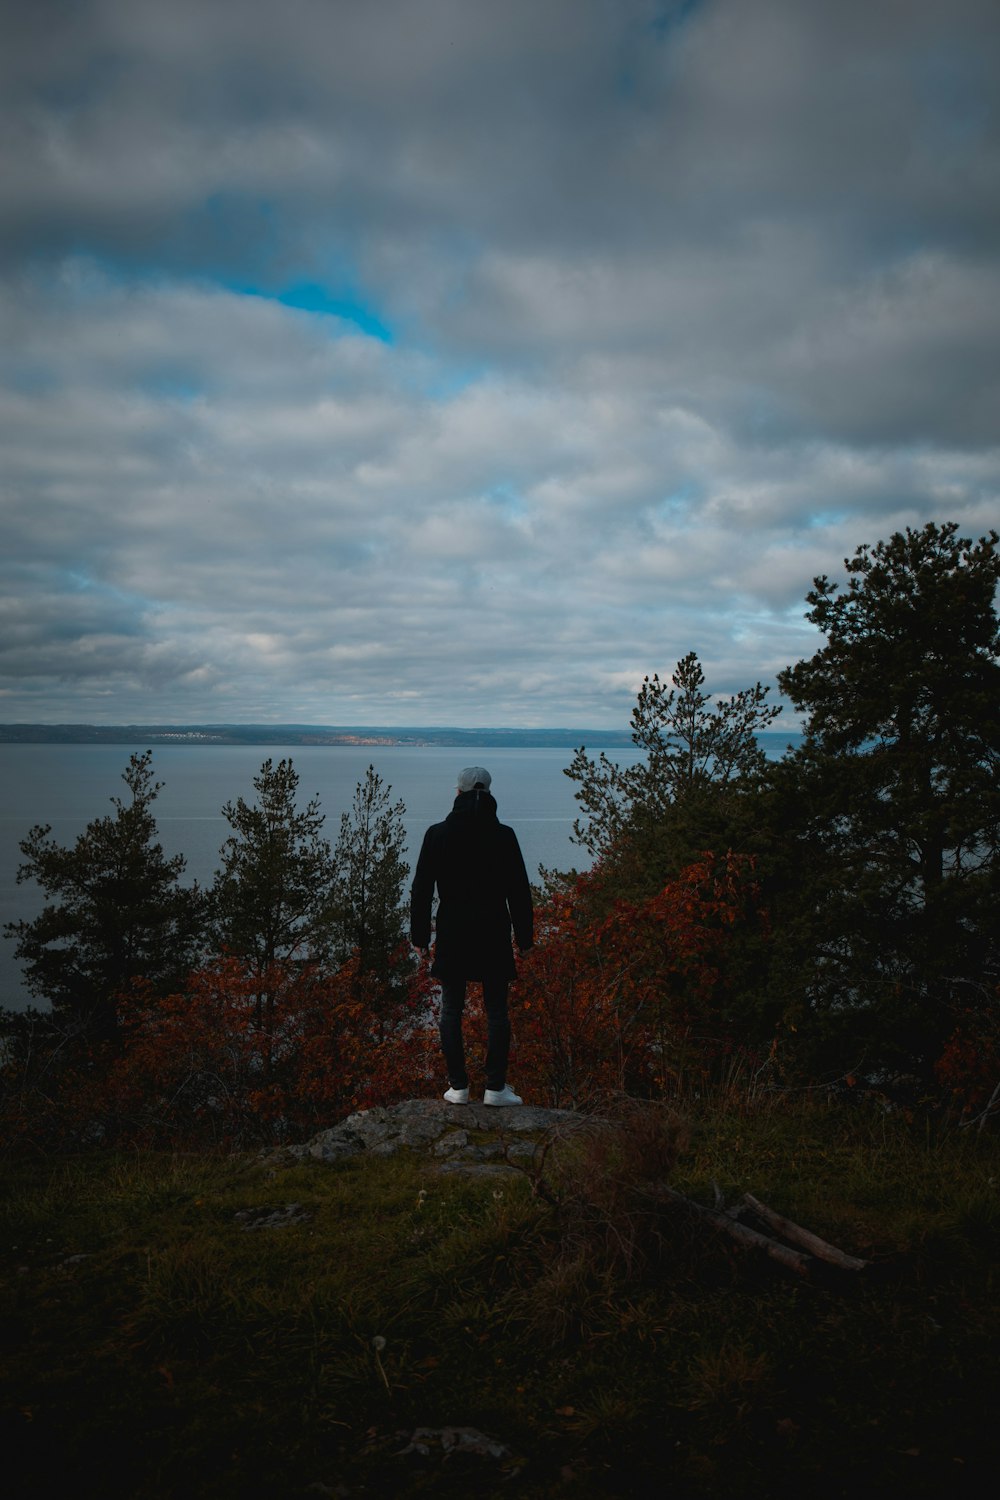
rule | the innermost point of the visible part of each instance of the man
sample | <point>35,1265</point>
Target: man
<point>475,862</point>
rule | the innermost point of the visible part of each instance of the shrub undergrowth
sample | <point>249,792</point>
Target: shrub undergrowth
<point>155,1347</point>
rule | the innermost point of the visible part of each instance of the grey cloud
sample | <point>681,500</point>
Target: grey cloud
<point>347,549</point>
<point>686,302</point>
<point>544,124</point>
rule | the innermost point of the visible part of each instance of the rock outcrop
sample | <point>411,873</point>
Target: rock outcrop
<point>470,1138</point>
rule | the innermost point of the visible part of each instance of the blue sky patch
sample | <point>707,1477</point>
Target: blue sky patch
<point>309,296</point>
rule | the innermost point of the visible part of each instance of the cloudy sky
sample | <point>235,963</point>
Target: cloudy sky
<point>461,361</point>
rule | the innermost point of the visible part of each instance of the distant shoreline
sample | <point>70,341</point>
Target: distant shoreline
<point>149,735</point>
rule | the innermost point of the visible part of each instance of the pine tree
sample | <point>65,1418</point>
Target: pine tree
<point>898,789</point>
<point>116,910</point>
<point>688,793</point>
<point>371,871</point>
<point>271,900</point>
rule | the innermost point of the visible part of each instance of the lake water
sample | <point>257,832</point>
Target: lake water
<point>68,786</point>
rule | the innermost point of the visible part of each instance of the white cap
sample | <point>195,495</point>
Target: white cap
<point>472,777</point>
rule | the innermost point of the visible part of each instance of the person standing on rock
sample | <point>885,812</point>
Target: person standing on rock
<point>475,862</point>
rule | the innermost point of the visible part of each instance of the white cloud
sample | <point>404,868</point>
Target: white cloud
<point>683,304</point>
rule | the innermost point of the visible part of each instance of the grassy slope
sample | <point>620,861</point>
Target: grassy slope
<point>614,1351</point>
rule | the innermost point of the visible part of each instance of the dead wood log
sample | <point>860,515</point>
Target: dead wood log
<point>804,1237</point>
<point>792,1260</point>
<point>799,1261</point>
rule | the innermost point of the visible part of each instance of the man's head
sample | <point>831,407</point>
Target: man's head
<point>472,777</point>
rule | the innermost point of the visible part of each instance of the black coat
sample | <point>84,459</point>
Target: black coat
<point>475,862</point>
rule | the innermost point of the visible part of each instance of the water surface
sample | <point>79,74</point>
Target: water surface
<point>70,785</point>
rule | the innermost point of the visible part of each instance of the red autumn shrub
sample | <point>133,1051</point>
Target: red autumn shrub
<point>969,1066</point>
<point>624,997</point>
<point>214,1064</point>
<point>635,999</point>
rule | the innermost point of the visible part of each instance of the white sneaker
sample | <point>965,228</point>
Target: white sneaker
<point>505,1095</point>
<point>457,1096</point>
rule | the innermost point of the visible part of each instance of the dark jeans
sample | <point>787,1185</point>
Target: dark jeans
<point>497,1031</point>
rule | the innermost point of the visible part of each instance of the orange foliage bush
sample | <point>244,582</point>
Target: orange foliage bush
<point>632,1001</point>
<point>969,1066</point>
<point>236,1058</point>
<point>616,997</point>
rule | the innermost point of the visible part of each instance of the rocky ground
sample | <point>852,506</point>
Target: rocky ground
<point>473,1138</point>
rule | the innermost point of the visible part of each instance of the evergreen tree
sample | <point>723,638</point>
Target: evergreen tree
<point>271,900</point>
<point>369,914</point>
<point>116,910</point>
<point>898,792</point>
<point>689,793</point>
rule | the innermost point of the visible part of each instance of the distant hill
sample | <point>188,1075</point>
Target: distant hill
<point>306,734</point>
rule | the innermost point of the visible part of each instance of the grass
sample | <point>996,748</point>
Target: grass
<point>154,1348</point>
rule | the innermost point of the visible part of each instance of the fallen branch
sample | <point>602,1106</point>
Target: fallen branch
<point>791,1260</point>
<point>804,1237</point>
<point>799,1261</point>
